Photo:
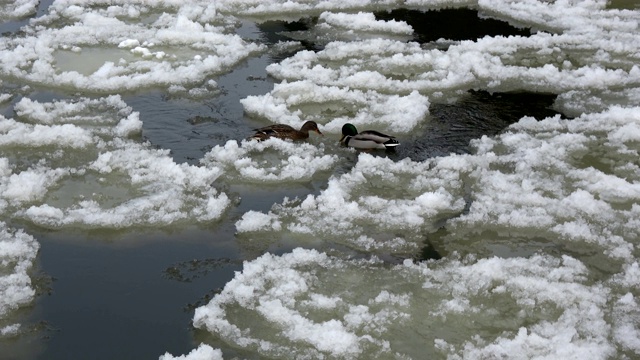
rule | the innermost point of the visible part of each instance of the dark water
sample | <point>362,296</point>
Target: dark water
<point>478,113</point>
<point>118,300</point>
<point>451,24</point>
<point>191,128</point>
<point>131,295</point>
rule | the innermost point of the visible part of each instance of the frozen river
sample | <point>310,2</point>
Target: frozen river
<point>137,223</point>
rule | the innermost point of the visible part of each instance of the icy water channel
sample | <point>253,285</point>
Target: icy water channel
<point>106,295</point>
<point>131,293</point>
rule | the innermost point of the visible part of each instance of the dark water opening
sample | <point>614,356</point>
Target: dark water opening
<point>119,297</point>
<point>274,31</point>
<point>453,126</point>
<point>451,24</point>
<point>428,26</point>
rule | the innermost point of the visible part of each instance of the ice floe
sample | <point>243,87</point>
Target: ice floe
<point>18,9</point>
<point>107,48</point>
<point>89,141</point>
<point>202,352</point>
<point>414,198</point>
<point>18,251</point>
<point>300,101</point>
<point>270,160</point>
<point>570,178</point>
<point>317,305</point>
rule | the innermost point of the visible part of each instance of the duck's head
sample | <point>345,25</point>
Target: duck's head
<point>348,130</point>
<point>310,126</point>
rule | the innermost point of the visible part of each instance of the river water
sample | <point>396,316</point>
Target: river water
<point>137,223</point>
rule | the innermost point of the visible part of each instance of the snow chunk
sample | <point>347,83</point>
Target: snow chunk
<point>18,251</point>
<point>129,43</point>
<point>254,221</point>
<point>415,195</point>
<point>270,160</point>
<point>202,352</point>
<point>552,309</point>
<point>109,168</point>
<point>395,113</point>
<point>42,55</point>
<point>364,22</point>
<point>18,9</point>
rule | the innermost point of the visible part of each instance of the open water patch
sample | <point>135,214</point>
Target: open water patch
<point>433,25</point>
<point>451,127</point>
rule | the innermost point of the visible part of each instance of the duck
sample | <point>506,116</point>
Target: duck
<point>282,131</point>
<point>367,139</point>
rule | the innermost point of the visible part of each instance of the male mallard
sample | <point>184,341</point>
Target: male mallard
<point>366,140</point>
<point>282,131</point>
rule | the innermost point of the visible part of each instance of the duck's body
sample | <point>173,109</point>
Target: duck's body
<point>367,140</point>
<point>282,131</point>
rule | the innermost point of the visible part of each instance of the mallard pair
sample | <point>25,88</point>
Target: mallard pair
<point>365,140</point>
<point>284,132</point>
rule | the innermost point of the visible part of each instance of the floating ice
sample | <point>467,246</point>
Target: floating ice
<point>564,178</point>
<point>95,50</point>
<point>602,39</point>
<point>270,160</point>
<point>272,298</point>
<point>570,184</point>
<point>363,22</point>
<point>316,305</point>
<point>124,182</point>
<point>349,27</point>
<point>396,113</point>
<point>415,197</point>
<point>18,9</point>
<point>29,185</point>
<point>18,251</point>
<point>202,352</point>
<point>266,10</point>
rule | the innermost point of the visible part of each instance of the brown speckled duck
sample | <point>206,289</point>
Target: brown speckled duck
<point>282,131</point>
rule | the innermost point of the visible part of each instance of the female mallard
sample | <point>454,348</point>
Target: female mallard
<point>284,132</point>
<point>366,140</point>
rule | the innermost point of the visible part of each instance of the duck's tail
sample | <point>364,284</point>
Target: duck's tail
<point>259,136</point>
<point>391,143</point>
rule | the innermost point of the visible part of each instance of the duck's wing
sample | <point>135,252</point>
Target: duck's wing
<point>376,133</point>
<point>362,142</point>
<point>378,137</point>
<point>275,130</point>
